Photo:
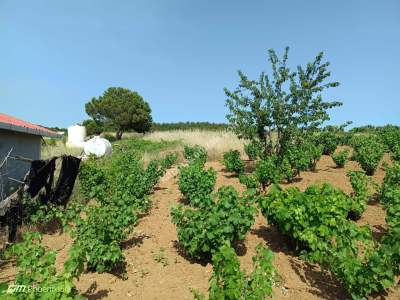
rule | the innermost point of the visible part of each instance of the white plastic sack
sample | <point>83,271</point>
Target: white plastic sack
<point>97,146</point>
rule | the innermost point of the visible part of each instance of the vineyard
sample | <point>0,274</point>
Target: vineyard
<point>245,220</point>
<point>300,211</point>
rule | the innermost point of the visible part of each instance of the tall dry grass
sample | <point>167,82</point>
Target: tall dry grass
<point>215,142</point>
<point>58,149</point>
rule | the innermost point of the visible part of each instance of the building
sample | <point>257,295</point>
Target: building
<point>18,140</point>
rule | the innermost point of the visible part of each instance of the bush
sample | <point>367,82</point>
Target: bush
<point>92,180</point>
<point>169,160</point>
<point>314,152</point>
<point>120,185</point>
<point>232,162</point>
<point>250,181</point>
<point>369,153</point>
<point>340,158</point>
<point>361,192</point>
<point>286,170</point>
<point>316,220</point>
<point>253,150</point>
<point>195,153</point>
<point>36,268</point>
<point>312,217</point>
<point>100,241</point>
<point>203,231</point>
<point>329,140</point>
<point>196,184</point>
<point>395,155</point>
<point>389,135</point>
<point>266,172</point>
<point>230,283</point>
<point>391,183</point>
<point>298,158</point>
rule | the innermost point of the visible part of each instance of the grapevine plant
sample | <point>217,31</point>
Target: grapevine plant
<point>195,153</point>
<point>232,162</point>
<point>340,158</point>
<point>230,283</point>
<point>196,183</point>
<point>368,151</point>
<point>37,272</point>
<point>227,217</point>
<point>317,219</point>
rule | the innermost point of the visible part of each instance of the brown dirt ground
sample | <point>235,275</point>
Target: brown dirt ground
<point>171,276</point>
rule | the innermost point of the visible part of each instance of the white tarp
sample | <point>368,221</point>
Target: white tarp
<point>97,146</point>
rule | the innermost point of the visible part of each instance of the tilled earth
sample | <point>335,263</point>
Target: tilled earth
<point>157,269</point>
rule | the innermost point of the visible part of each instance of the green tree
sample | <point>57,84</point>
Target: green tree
<point>122,110</point>
<point>93,127</point>
<point>280,110</point>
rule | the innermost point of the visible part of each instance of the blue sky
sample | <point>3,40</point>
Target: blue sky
<point>180,54</point>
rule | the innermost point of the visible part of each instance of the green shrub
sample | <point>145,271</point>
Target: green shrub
<point>36,268</point>
<point>232,162</point>
<point>99,241</point>
<point>369,153</point>
<point>286,170</point>
<point>121,185</point>
<point>227,218</point>
<point>195,153</point>
<point>92,180</point>
<point>312,217</point>
<point>329,140</point>
<point>250,181</point>
<point>314,153</point>
<point>266,172</point>
<point>253,150</point>
<point>230,283</point>
<point>169,160</point>
<point>395,154</point>
<point>391,183</point>
<point>299,159</point>
<point>340,158</point>
<point>389,135</point>
<point>316,220</point>
<point>196,184</point>
<point>361,192</point>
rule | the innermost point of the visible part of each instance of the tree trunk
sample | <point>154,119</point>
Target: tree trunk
<point>118,135</point>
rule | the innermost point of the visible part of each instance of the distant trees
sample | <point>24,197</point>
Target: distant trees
<point>189,126</point>
<point>119,109</point>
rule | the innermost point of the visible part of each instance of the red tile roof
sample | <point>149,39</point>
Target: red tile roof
<point>14,124</point>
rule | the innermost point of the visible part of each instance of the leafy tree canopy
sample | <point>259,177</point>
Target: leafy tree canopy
<point>120,109</point>
<point>279,110</point>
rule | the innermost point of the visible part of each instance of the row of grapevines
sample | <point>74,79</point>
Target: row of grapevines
<point>121,193</point>
<point>317,219</point>
<point>212,222</point>
<point>119,186</point>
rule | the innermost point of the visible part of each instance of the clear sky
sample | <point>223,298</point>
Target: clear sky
<point>180,54</point>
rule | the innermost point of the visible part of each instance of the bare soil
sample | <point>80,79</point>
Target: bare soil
<point>157,269</point>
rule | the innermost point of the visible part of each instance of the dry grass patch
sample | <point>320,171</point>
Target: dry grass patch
<point>215,142</point>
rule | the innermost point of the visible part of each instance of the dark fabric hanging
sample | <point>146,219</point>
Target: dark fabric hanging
<point>41,175</point>
<point>66,180</point>
<point>12,218</point>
